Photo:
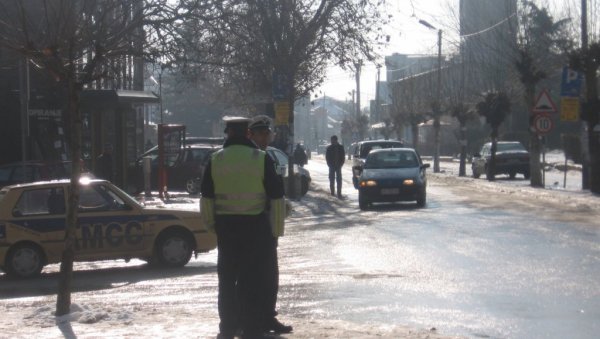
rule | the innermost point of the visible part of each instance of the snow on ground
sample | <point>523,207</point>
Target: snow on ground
<point>89,322</point>
<point>570,195</point>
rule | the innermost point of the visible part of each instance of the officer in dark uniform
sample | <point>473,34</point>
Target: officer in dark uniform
<point>237,183</point>
<point>260,133</point>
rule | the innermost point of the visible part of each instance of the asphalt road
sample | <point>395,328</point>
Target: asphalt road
<point>481,260</point>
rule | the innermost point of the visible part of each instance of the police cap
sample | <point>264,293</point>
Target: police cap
<point>235,122</point>
<point>260,122</point>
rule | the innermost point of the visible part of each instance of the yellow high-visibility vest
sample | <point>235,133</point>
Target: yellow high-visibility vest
<point>238,175</point>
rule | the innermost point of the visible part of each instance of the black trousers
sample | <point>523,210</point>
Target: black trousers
<point>335,176</point>
<point>242,252</point>
<point>271,279</point>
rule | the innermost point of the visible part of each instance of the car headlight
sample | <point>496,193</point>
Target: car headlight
<point>408,182</point>
<point>367,183</point>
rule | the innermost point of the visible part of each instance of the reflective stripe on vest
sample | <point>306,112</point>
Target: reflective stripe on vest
<point>238,176</point>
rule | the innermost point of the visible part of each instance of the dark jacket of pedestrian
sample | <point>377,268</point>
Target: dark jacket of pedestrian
<point>335,155</point>
<point>300,157</point>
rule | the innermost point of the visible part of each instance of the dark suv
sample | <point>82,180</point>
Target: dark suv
<point>361,149</point>
<point>511,158</point>
<point>184,171</point>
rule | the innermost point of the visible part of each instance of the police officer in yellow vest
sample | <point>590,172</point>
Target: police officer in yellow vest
<point>238,182</point>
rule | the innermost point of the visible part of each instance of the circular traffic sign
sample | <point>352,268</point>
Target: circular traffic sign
<point>542,123</point>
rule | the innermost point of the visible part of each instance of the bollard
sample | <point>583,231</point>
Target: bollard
<point>147,168</point>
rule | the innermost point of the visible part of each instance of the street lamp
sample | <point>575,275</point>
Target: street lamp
<point>436,113</point>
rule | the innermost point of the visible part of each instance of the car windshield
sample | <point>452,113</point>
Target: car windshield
<point>513,146</point>
<point>367,148</point>
<point>391,160</point>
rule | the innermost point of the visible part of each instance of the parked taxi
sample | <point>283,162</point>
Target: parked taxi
<point>111,225</point>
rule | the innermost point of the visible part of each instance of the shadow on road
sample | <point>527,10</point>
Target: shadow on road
<point>97,279</point>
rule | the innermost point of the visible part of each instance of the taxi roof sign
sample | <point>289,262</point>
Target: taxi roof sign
<point>544,103</point>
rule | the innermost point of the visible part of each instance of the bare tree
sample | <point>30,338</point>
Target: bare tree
<point>495,106</point>
<point>585,59</point>
<point>279,47</point>
<point>408,106</point>
<point>80,44</point>
<point>540,45</point>
<point>463,113</point>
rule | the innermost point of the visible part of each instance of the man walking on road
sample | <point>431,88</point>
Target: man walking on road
<point>335,156</point>
<point>260,133</point>
<point>237,183</point>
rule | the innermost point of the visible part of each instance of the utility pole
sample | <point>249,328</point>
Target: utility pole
<point>436,119</point>
<point>160,98</point>
<point>437,105</point>
<point>24,100</point>
<point>358,66</point>
<point>377,117</point>
<point>585,155</point>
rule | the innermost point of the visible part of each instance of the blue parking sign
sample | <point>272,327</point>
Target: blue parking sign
<point>280,86</point>
<point>570,85</point>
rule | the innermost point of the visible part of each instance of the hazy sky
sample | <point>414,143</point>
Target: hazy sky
<point>408,36</point>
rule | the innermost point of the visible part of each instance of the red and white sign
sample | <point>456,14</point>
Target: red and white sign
<point>544,104</point>
<point>542,123</point>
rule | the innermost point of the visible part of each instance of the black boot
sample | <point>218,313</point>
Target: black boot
<point>276,326</point>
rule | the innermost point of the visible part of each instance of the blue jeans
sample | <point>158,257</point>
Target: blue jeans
<point>335,175</point>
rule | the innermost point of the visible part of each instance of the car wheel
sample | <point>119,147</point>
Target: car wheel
<point>422,199</point>
<point>489,175</point>
<point>192,185</point>
<point>173,249</point>
<point>355,182</point>
<point>24,261</point>
<point>526,175</point>
<point>363,203</point>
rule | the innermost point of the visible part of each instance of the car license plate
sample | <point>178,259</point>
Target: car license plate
<point>389,191</point>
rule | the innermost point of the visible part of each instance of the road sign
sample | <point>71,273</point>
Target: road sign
<point>569,109</point>
<point>542,123</point>
<point>282,113</point>
<point>544,103</point>
<point>570,85</point>
<point>281,89</point>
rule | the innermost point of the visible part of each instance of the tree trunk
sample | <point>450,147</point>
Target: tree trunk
<point>63,300</point>
<point>535,167</point>
<point>436,146</point>
<point>293,193</point>
<point>594,142</point>
<point>462,169</point>
<point>415,135</point>
<point>535,147</point>
<point>592,117</point>
<point>491,169</point>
